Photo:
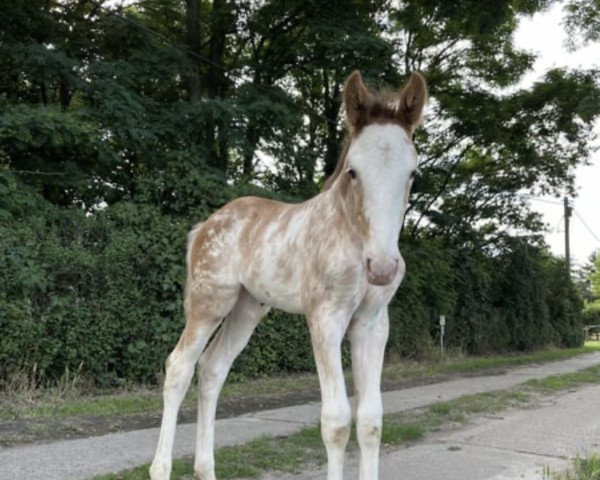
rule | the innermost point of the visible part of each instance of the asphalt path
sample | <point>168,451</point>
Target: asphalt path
<point>516,445</point>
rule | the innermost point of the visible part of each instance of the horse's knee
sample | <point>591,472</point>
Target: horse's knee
<point>369,425</point>
<point>335,425</point>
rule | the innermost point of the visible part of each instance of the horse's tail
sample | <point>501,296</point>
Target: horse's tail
<point>188,262</point>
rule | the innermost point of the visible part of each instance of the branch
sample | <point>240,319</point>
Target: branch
<point>441,190</point>
<point>439,57</point>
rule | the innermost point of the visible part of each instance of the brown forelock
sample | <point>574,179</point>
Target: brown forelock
<point>385,108</point>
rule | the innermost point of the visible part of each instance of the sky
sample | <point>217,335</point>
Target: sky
<point>544,35</point>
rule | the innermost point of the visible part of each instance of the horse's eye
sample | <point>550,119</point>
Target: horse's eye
<point>414,173</point>
<point>352,173</point>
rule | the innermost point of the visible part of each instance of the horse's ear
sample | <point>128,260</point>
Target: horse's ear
<point>412,100</point>
<point>357,100</point>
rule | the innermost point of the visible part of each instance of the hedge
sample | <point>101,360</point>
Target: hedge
<point>102,294</point>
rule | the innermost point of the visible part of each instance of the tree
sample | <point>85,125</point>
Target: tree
<point>123,124</point>
<point>482,145</point>
<point>582,277</point>
<point>594,276</point>
<point>590,280</point>
<point>582,21</point>
<point>308,48</point>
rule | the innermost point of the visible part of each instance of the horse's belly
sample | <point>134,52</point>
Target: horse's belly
<point>280,296</point>
<point>273,285</point>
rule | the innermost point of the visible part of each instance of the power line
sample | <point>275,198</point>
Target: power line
<point>556,202</point>
<point>202,58</point>
<point>158,35</point>
<point>558,224</point>
<point>586,225</point>
<point>542,200</point>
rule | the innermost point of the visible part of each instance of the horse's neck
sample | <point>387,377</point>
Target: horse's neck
<point>323,221</point>
<point>325,206</point>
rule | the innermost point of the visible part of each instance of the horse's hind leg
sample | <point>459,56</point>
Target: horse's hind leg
<point>214,366</point>
<point>205,309</point>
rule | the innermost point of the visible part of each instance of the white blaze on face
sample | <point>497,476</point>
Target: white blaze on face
<point>384,160</point>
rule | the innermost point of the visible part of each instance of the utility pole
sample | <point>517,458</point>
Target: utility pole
<point>568,212</point>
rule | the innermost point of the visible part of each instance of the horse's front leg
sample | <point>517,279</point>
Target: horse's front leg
<point>326,334</point>
<point>368,336</point>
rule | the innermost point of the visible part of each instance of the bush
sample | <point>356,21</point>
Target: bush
<point>425,293</point>
<point>521,295</point>
<point>101,291</point>
<point>102,294</point>
<point>470,329</point>
<point>281,343</point>
<point>564,305</point>
<point>591,314</point>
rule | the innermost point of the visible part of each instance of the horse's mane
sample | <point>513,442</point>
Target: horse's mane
<point>339,166</point>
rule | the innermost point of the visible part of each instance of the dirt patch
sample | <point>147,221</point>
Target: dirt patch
<point>48,429</point>
<point>45,429</point>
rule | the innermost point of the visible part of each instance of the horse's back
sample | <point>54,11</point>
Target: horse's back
<point>239,240</point>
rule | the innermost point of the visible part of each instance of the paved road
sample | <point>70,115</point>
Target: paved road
<point>517,445</point>
<point>486,451</point>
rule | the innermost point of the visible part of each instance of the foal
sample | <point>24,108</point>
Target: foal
<point>334,258</point>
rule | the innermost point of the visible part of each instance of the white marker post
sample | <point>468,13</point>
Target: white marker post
<point>442,327</point>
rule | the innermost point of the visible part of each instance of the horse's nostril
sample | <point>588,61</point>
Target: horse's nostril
<point>368,264</point>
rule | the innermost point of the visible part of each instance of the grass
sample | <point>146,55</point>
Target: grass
<point>557,383</point>
<point>287,455</point>
<point>53,404</point>
<point>73,398</point>
<point>291,454</point>
<point>581,469</point>
<point>304,449</point>
<point>466,365</point>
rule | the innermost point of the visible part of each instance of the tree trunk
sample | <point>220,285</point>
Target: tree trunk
<point>249,149</point>
<point>216,137</point>
<point>64,95</point>
<point>193,43</point>
<point>332,110</point>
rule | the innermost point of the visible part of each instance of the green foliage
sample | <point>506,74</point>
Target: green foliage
<point>564,305</point>
<point>584,278</point>
<point>102,293</point>
<point>425,293</point>
<point>281,343</point>
<point>522,298</point>
<point>55,152</point>
<point>121,126</point>
<point>594,277</point>
<point>471,329</point>
<point>91,291</point>
<point>582,21</point>
<point>527,303</point>
<point>591,314</point>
